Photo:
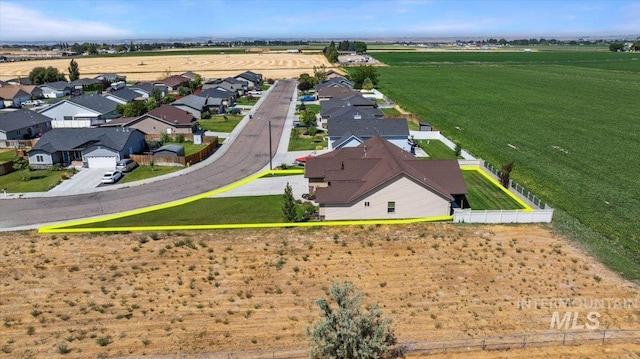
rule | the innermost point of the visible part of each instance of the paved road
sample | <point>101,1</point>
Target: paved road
<point>248,153</point>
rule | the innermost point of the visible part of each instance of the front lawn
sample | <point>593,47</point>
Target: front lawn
<point>483,194</point>
<point>144,172</point>
<point>189,147</point>
<point>300,142</point>
<point>218,123</point>
<point>7,155</point>
<point>39,181</point>
<point>247,101</point>
<point>255,209</point>
<point>437,150</point>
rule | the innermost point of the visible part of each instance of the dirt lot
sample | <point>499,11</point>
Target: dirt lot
<point>147,68</point>
<point>148,293</point>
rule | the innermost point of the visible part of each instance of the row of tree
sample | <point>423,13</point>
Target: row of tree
<point>331,52</point>
<point>619,47</point>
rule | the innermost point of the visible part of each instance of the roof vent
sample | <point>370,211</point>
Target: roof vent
<point>357,116</point>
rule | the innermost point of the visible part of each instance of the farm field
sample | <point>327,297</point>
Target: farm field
<point>129,294</point>
<point>148,68</point>
<point>567,119</point>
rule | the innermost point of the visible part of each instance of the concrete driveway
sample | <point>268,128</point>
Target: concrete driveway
<point>81,182</point>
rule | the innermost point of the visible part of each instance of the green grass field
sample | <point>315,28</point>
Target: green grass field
<point>257,209</point>
<point>483,194</point>
<point>297,142</point>
<point>217,123</point>
<point>7,155</point>
<point>569,120</point>
<point>144,172</point>
<point>40,181</point>
<point>437,150</point>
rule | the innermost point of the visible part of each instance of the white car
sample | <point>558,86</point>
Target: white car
<point>31,103</point>
<point>111,177</point>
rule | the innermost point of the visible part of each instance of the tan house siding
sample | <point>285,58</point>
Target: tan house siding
<point>411,201</point>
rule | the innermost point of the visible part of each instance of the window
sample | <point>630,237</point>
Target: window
<point>391,207</point>
<point>366,204</point>
<point>68,118</point>
<point>39,158</point>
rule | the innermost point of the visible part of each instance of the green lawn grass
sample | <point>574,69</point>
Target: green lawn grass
<point>40,181</point>
<point>483,194</point>
<point>565,118</point>
<point>436,149</point>
<point>7,155</point>
<point>297,142</point>
<point>189,147</point>
<point>255,209</point>
<point>245,101</point>
<point>144,172</point>
<point>390,111</point>
<point>311,107</point>
<point>217,123</point>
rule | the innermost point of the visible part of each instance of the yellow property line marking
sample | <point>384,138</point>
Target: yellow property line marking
<point>53,229</point>
<point>525,206</point>
<point>63,228</point>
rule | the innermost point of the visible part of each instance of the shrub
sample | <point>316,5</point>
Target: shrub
<point>104,341</point>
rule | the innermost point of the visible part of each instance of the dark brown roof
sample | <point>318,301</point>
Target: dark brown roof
<point>173,115</point>
<point>336,92</point>
<point>174,80</point>
<point>355,171</point>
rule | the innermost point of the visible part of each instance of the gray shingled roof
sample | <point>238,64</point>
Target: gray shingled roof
<point>85,81</point>
<point>193,101</point>
<point>95,102</point>
<point>125,94</point>
<point>217,92</point>
<point>67,139</point>
<point>366,128</point>
<point>58,85</point>
<point>349,112</point>
<point>16,120</point>
<point>336,81</point>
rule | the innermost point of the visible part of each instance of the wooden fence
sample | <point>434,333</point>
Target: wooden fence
<point>6,168</point>
<point>148,159</point>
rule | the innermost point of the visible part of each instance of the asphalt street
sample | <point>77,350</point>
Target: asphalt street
<point>248,153</point>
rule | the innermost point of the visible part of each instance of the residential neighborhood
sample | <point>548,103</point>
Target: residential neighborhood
<point>319,179</point>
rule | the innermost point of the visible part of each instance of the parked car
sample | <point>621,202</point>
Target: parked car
<point>111,177</point>
<point>307,98</point>
<point>33,103</point>
<point>126,165</point>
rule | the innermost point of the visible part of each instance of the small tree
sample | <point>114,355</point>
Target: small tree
<point>289,208</point>
<point>165,138</point>
<point>22,164</point>
<point>458,149</point>
<point>346,331</point>
<point>367,84</point>
<point>505,174</point>
<point>74,71</point>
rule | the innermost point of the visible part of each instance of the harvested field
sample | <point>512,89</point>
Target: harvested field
<point>148,68</point>
<point>148,293</point>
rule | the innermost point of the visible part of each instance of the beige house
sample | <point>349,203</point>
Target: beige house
<point>378,180</point>
<point>164,119</point>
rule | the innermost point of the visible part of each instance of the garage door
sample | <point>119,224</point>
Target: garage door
<point>102,162</point>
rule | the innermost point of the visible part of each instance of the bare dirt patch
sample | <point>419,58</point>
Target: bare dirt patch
<point>147,293</point>
<point>149,68</point>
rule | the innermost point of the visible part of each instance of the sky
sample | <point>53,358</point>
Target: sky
<point>82,20</point>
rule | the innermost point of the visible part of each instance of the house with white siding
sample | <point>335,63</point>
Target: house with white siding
<point>56,89</point>
<point>378,180</point>
<point>81,111</point>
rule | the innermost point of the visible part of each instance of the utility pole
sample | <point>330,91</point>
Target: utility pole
<point>270,161</point>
